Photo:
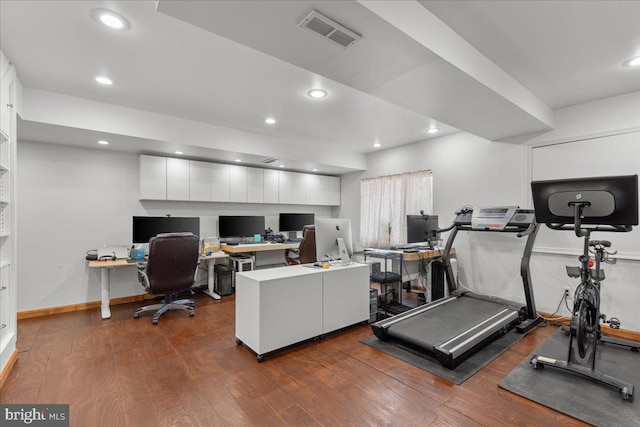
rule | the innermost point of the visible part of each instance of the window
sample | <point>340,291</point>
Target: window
<point>385,203</point>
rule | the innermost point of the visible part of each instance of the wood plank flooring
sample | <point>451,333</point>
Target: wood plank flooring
<point>189,372</point>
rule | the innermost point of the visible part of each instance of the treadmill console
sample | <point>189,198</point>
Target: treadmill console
<point>492,217</point>
<point>497,218</point>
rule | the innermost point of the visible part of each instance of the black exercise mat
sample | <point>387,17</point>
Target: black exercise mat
<point>458,375</point>
<point>575,396</point>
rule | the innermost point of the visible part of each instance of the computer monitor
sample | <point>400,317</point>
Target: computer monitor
<point>422,228</point>
<point>608,200</point>
<point>240,226</point>
<point>294,222</point>
<point>328,231</point>
<point>146,227</point>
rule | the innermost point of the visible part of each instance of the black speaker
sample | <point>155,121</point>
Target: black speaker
<point>437,280</point>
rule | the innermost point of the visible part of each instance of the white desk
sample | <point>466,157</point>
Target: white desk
<point>257,247</point>
<point>281,306</point>
<point>105,280</point>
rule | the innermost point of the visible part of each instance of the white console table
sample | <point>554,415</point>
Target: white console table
<point>281,306</point>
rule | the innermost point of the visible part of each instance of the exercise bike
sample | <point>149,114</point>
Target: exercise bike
<point>586,318</point>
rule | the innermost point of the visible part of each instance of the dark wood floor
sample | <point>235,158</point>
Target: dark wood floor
<point>189,372</point>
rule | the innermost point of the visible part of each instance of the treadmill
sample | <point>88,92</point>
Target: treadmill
<point>453,328</point>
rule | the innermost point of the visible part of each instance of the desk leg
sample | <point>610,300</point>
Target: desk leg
<point>210,279</point>
<point>106,290</point>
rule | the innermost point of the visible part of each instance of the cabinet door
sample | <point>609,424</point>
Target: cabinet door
<point>313,188</point>
<point>345,296</point>
<point>220,184</point>
<point>324,190</point>
<point>238,187</point>
<point>334,190</point>
<point>199,181</point>
<point>271,193</point>
<point>285,189</point>
<point>299,188</point>
<point>153,178</point>
<point>8,73</point>
<point>177,179</point>
<point>255,185</point>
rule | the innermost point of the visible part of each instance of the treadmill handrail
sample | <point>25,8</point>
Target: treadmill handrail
<point>530,232</point>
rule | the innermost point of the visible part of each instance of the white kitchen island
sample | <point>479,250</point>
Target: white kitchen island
<point>278,307</point>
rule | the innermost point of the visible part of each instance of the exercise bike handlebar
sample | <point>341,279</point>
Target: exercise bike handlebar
<point>610,228</point>
<point>577,223</point>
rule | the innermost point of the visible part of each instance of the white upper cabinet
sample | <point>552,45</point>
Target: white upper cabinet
<point>324,190</point>
<point>220,182</point>
<point>299,188</point>
<point>177,179</point>
<point>271,193</point>
<point>164,178</point>
<point>334,190</point>
<point>312,185</point>
<point>255,185</point>
<point>199,181</point>
<point>153,178</point>
<point>238,187</point>
<point>285,189</point>
<point>8,74</point>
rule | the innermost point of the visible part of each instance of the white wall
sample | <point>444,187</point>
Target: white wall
<point>71,200</point>
<point>467,170</point>
<point>594,139</point>
<point>471,170</point>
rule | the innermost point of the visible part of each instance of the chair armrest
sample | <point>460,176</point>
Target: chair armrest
<point>292,256</point>
<point>142,276</point>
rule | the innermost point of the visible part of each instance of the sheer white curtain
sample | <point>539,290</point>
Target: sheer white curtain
<point>385,203</point>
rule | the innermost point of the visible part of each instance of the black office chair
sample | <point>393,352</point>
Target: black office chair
<point>306,252</point>
<point>171,268</point>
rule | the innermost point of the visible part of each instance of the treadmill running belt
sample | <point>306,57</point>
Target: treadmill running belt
<point>434,327</point>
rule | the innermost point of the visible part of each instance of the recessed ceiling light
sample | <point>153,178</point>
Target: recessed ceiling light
<point>103,80</point>
<point>178,152</point>
<point>103,142</point>
<point>433,130</point>
<point>314,170</point>
<point>376,145</point>
<point>237,160</point>
<point>633,62</point>
<point>270,121</point>
<point>280,166</point>
<point>317,93</point>
<point>110,19</point>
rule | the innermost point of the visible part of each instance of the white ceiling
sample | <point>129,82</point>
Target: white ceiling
<point>493,68</point>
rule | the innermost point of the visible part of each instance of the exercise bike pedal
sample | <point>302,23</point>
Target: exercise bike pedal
<point>614,323</point>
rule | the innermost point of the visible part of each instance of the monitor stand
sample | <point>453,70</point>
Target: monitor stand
<point>344,254</point>
<point>293,235</point>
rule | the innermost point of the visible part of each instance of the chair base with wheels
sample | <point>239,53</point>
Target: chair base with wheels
<point>168,305</point>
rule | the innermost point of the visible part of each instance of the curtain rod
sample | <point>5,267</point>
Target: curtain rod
<point>398,174</point>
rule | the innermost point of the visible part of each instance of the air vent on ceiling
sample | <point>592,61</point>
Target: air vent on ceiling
<point>269,160</point>
<point>329,29</point>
